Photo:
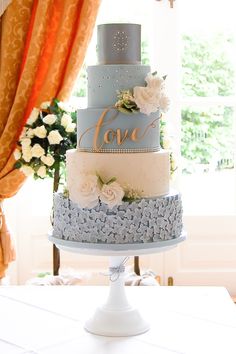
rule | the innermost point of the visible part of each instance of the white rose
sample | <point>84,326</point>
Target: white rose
<point>70,127</point>
<point>25,142</point>
<point>37,151</point>
<point>112,194</point>
<point>47,160</point>
<point>27,170</point>
<point>86,192</point>
<point>164,103</point>
<point>33,116</point>
<point>146,99</point>
<point>50,119</point>
<point>154,81</point>
<point>152,97</point>
<point>42,172</point>
<point>54,137</point>
<point>26,153</point>
<point>29,133</point>
<point>17,154</point>
<point>40,132</point>
<point>66,120</point>
<point>45,105</point>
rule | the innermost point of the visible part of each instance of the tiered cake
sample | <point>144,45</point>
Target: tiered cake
<point>118,177</point>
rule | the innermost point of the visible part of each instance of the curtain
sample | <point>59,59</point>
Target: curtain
<point>42,48</point>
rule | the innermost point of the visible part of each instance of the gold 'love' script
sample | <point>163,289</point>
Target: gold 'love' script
<point>114,136</point>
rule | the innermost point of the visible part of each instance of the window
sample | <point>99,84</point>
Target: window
<point>208,107</point>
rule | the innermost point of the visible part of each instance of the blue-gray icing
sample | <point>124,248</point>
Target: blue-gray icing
<point>105,80</point>
<point>148,131</point>
<point>144,220</point>
<point>119,43</point>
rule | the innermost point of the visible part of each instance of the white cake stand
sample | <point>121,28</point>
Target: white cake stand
<point>116,317</point>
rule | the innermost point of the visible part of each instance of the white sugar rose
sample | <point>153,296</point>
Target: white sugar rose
<point>50,119</point>
<point>27,170</point>
<point>154,81</point>
<point>42,172</point>
<point>54,137</point>
<point>164,103</point>
<point>146,99</point>
<point>45,105</point>
<point>17,154</point>
<point>70,127</point>
<point>25,142</point>
<point>33,116</point>
<point>37,151</point>
<point>26,153</point>
<point>86,192</point>
<point>66,120</point>
<point>152,97</point>
<point>40,132</point>
<point>47,160</point>
<point>112,194</point>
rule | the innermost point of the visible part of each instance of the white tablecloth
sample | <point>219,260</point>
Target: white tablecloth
<point>50,319</point>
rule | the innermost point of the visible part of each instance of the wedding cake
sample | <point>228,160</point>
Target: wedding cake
<point>118,177</point>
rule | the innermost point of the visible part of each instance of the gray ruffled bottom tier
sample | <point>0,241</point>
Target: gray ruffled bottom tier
<point>144,220</point>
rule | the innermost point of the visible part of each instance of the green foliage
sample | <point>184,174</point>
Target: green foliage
<point>207,136</point>
<point>207,68</point>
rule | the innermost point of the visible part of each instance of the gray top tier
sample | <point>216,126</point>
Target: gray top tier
<point>119,43</point>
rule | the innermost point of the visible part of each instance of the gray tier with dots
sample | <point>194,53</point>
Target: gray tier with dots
<point>142,221</point>
<point>118,132</point>
<point>104,82</point>
<point>119,43</point>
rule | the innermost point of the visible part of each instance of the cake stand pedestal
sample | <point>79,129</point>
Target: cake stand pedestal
<point>117,317</point>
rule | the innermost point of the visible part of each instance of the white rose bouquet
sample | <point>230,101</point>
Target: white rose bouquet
<point>49,132</point>
<point>144,99</point>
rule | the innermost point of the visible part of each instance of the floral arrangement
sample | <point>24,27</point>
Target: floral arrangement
<point>48,133</point>
<point>147,99</point>
<point>93,190</point>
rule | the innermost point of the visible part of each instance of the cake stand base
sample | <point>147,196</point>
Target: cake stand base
<point>117,317</point>
<point>116,323</point>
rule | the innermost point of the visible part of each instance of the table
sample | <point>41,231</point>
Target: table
<point>50,320</point>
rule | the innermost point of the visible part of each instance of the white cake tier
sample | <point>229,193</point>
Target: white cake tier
<point>146,172</point>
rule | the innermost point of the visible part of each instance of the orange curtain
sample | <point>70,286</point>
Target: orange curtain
<point>42,48</point>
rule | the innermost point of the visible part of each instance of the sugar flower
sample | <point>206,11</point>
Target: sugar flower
<point>112,194</point>
<point>86,193</point>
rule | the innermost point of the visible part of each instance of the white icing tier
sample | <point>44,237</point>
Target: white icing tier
<point>147,172</point>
